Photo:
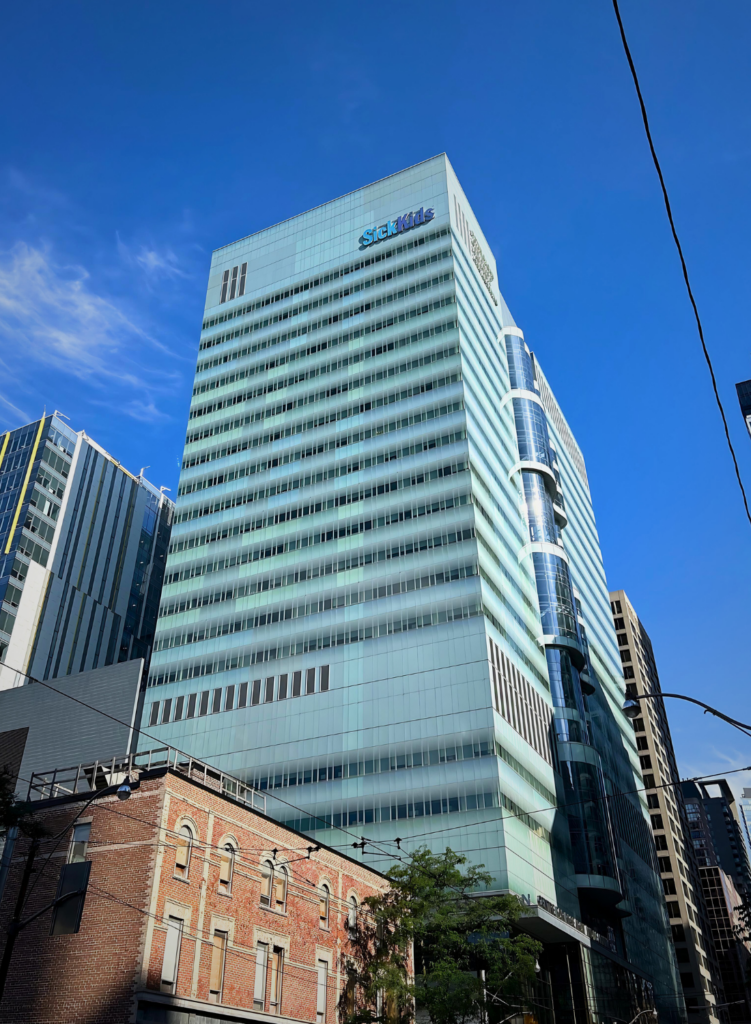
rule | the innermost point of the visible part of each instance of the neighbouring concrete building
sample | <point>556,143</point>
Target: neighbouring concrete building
<point>83,717</point>
<point>722,884</point>
<point>83,546</point>
<point>385,605</point>
<point>86,716</point>
<point>193,907</point>
<point>679,870</point>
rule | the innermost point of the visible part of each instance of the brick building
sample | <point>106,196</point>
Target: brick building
<point>198,907</point>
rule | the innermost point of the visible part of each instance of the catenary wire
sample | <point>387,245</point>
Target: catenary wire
<point>201,845</point>
<point>378,844</point>
<point>374,843</point>
<point>195,936</point>
<point>346,831</point>
<point>409,856</point>
<point>678,246</point>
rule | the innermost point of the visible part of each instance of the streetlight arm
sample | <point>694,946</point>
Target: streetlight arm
<point>56,839</point>
<point>692,700</point>
<point>15,928</point>
<point>620,1021</point>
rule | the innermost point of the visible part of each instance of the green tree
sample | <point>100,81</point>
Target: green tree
<point>436,906</point>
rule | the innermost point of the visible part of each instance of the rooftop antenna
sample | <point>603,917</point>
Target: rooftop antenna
<point>61,415</point>
<point>143,470</point>
<point>163,488</point>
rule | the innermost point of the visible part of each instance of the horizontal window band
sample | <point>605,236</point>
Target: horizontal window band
<point>334,472</point>
<point>352,529</point>
<point>265,389</point>
<point>318,281</point>
<point>388,627</point>
<point>519,651</point>
<point>418,809</point>
<point>337,441</point>
<point>347,498</point>
<point>354,561</point>
<point>248,350</point>
<point>398,343</point>
<point>320,605</point>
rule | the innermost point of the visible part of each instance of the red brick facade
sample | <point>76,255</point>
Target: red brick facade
<point>177,928</point>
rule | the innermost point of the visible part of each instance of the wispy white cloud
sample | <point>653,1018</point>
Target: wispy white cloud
<point>157,263</point>
<point>720,761</point>
<point>33,190</point>
<point>145,411</point>
<point>8,406</point>
<point>51,316</point>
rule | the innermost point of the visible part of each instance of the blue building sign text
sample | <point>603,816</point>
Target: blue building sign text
<point>395,227</point>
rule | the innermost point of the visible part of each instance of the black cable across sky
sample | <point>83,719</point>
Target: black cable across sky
<point>669,212</point>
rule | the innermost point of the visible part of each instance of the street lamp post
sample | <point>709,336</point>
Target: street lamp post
<point>631,708</point>
<point>17,925</point>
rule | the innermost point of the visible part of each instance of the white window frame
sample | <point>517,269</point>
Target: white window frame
<point>322,982</point>
<point>259,986</point>
<point>325,900</point>
<point>267,882</point>
<point>218,959</point>
<point>226,867</point>
<point>182,871</point>
<point>79,842</point>
<point>172,947</point>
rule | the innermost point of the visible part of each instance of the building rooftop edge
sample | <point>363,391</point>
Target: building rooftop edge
<point>162,770</point>
<point>75,434</point>
<point>320,206</point>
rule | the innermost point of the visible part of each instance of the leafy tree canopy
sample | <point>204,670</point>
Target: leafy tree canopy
<point>437,906</point>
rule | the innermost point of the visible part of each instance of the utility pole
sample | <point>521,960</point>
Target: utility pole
<point>15,925</point>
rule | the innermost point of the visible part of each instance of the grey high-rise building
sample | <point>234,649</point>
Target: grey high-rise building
<point>83,547</point>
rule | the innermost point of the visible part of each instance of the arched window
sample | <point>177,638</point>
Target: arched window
<point>185,839</point>
<point>352,914</point>
<point>226,868</point>
<point>280,889</point>
<point>325,895</point>
<point>267,882</point>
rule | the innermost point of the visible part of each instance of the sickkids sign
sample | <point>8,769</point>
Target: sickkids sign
<point>395,227</point>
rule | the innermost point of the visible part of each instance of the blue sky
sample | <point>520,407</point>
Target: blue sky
<point>136,138</point>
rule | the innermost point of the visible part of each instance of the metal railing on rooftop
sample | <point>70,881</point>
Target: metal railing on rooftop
<point>90,776</point>
<point>574,922</point>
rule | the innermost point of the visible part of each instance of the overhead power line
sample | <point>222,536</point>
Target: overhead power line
<point>376,844</point>
<point>678,246</point>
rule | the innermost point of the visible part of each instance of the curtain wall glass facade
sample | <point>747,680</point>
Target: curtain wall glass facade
<point>370,608</point>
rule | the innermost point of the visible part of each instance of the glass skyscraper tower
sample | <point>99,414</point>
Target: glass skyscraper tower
<point>384,602</point>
